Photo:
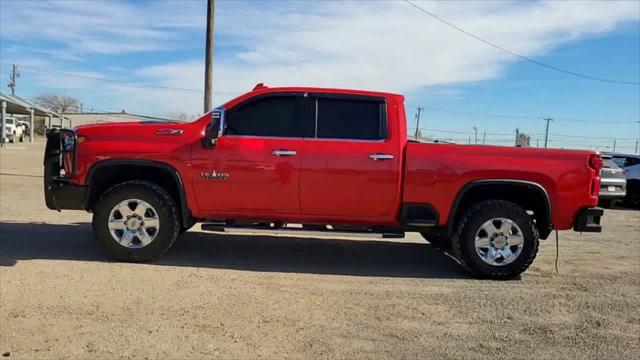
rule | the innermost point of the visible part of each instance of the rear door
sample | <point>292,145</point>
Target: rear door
<point>351,165</point>
<point>255,165</point>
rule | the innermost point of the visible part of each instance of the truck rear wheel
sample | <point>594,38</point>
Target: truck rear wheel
<point>495,239</point>
<point>136,221</point>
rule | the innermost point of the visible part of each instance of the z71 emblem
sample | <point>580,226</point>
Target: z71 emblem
<point>213,175</point>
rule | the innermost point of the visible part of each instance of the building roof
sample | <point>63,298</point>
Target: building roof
<point>18,105</point>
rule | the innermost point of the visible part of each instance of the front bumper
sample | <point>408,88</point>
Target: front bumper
<point>588,220</point>
<point>59,192</point>
<point>60,195</point>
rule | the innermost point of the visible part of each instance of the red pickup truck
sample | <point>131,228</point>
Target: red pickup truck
<point>338,162</point>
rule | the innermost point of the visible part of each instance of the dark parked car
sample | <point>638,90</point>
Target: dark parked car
<point>613,185</point>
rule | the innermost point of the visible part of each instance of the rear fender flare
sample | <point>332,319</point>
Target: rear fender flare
<point>544,229</point>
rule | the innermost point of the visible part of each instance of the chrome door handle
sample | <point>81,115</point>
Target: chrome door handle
<point>380,157</point>
<point>284,152</point>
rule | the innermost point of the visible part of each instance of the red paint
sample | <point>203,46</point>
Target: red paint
<point>334,181</point>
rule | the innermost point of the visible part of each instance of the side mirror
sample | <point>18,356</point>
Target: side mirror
<point>212,131</point>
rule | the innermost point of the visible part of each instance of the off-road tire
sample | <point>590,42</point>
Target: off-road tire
<point>437,238</point>
<point>463,240</point>
<point>157,197</point>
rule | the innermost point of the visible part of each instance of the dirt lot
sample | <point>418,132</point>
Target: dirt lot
<point>243,297</point>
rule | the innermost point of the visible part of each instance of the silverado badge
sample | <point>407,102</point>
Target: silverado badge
<point>213,175</point>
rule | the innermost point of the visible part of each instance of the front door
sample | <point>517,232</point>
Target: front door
<point>255,166</point>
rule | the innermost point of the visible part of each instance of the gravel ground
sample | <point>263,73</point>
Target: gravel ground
<point>215,296</point>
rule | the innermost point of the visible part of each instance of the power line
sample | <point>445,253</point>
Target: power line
<point>460,132</point>
<point>523,117</point>
<point>526,58</point>
<point>591,137</point>
<point>130,83</point>
<point>479,114</point>
<point>437,109</point>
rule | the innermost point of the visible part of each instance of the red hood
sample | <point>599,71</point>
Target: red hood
<point>146,131</point>
<point>124,124</point>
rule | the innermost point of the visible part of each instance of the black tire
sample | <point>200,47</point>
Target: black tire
<point>463,240</point>
<point>164,206</point>
<point>437,238</point>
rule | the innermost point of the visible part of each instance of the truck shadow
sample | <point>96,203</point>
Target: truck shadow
<point>30,241</point>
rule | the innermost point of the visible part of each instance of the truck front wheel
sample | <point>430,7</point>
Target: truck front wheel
<point>136,221</point>
<point>495,239</point>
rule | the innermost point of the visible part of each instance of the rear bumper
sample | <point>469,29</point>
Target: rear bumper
<point>588,220</point>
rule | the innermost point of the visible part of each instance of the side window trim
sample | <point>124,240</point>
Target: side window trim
<point>382,114</point>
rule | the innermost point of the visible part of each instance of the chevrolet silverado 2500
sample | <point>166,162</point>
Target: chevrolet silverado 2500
<point>337,161</point>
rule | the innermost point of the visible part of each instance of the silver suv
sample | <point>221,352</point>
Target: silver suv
<point>613,185</point>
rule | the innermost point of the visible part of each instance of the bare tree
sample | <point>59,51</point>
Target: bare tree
<point>58,103</point>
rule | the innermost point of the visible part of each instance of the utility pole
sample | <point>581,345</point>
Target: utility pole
<point>420,109</point>
<point>475,129</point>
<point>546,131</point>
<point>614,145</point>
<point>484,136</point>
<point>15,74</point>
<point>208,57</point>
<point>3,123</point>
<point>637,146</point>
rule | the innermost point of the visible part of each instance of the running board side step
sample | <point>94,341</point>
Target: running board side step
<point>236,230</point>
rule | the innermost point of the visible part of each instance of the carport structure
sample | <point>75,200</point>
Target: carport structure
<point>12,104</point>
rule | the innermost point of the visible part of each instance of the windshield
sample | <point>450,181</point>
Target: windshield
<point>9,121</point>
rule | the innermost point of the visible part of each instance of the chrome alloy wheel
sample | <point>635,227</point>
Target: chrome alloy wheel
<point>499,242</point>
<point>134,223</point>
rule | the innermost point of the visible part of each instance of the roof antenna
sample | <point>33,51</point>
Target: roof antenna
<point>259,86</point>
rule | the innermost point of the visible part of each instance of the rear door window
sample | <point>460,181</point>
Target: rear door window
<point>355,119</point>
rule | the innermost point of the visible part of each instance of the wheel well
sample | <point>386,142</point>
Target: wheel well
<point>104,177</point>
<point>531,197</point>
